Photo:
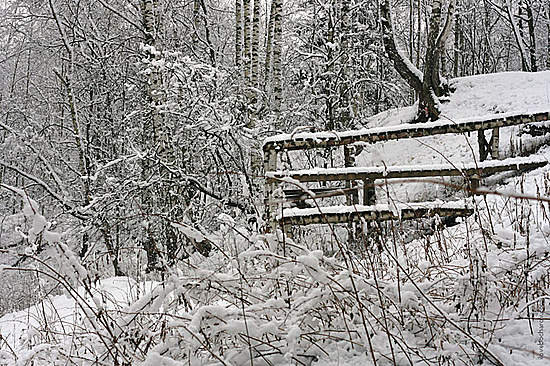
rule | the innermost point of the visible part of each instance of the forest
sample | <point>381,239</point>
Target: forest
<point>277,182</point>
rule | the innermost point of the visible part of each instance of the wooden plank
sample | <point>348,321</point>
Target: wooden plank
<point>495,141</point>
<point>391,172</point>
<point>371,213</point>
<point>330,138</point>
<point>349,162</point>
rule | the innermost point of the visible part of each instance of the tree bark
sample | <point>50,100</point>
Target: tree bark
<point>344,87</point>
<point>456,46</point>
<point>238,33</point>
<point>532,38</point>
<point>269,45</point>
<point>255,44</point>
<point>426,84</point>
<point>548,37</point>
<point>407,70</point>
<point>247,40</point>
<point>517,36</point>
<point>277,55</point>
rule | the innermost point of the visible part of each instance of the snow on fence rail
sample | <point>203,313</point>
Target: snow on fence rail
<point>408,171</point>
<point>310,140</point>
<point>379,212</point>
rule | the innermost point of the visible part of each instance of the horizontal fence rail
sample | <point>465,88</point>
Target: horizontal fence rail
<point>412,171</point>
<point>380,212</point>
<point>310,140</point>
<point>370,211</point>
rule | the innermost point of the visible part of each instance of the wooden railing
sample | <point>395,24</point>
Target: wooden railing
<point>349,174</point>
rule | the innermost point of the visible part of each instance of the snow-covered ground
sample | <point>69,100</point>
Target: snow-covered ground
<point>474,96</point>
<point>506,227</point>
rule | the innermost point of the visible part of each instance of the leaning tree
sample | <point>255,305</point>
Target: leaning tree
<point>428,84</point>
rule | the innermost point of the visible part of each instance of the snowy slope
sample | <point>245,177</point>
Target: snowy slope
<point>513,341</point>
<point>60,313</point>
<point>473,96</point>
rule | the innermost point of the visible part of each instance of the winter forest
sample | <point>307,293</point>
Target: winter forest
<point>276,182</point>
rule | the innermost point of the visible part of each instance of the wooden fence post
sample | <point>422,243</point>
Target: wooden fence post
<point>349,162</point>
<point>483,145</point>
<point>369,193</point>
<point>270,204</point>
<point>474,183</point>
<point>495,139</point>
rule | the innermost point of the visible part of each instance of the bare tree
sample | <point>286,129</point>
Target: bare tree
<point>428,84</point>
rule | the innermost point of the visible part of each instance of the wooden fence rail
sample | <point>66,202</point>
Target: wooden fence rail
<point>348,174</point>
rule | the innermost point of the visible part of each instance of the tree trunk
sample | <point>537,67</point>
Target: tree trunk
<point>344,87</point>
<point>517,36</point>
<point>255,44</point>
<point>425,84</point>
<point>150,125</point>
<point>277,55</point>
<point>548,37</point>
<point>247,40</point>
<point>532,38</point>
<point>456,46</point>
<point>269,45</point>
<point>238,33</point>
<point>439,49</point>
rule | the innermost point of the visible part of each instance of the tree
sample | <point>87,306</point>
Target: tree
<point>427,84</point>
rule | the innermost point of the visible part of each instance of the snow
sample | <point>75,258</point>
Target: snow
<point>58,313</point>
<point>296,212</point>
<point>515,338</point>
<point>408,168</point>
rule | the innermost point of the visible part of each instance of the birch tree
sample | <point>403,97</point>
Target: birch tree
<point>277,55</point>
<point>238,33</point>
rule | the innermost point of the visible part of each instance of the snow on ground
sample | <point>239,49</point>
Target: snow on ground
<point>481,95</point>
<point>59,313</point>
<point>514,341</point>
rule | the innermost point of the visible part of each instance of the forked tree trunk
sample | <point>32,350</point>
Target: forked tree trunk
<point>427,84</point>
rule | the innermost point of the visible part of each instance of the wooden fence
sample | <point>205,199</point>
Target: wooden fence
<point>367,175</point>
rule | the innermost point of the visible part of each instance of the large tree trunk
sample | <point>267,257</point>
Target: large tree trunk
<point>238,33</point>
<point>428,83</point>
<point>277,55</point>
<point>255,44</point>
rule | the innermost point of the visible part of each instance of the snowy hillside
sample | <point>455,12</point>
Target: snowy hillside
<point>473,293</point>
<point>473,96</point>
